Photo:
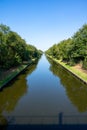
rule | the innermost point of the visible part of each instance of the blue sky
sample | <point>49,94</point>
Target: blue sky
<point>43,23</point>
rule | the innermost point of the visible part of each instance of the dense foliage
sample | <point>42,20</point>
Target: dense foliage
<point>72,50</point>
<point>13,49</point>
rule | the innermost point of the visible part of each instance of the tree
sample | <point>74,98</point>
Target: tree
<point>72,50</point>
<point>13,49</point>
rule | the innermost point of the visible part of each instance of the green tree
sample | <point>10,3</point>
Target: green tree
<point>72,50</point>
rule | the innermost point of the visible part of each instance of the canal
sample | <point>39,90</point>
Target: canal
<point>44,94</point>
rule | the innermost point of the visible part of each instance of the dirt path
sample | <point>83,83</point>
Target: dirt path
<point>3,74</point>
<point>79,68</point>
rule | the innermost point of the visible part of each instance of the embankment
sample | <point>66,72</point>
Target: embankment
<point>14,74</point>
<point>68,69</point>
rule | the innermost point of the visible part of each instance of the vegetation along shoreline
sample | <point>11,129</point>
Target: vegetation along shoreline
<point>71,53</point>
<point>68,69</point>
<point>15,55</point>
<point>14,74</point>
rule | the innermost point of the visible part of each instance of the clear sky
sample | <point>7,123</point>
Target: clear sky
<point>43,23</point>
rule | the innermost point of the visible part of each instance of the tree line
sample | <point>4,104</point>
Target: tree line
<point>13,49</point>
<point>72,50</point>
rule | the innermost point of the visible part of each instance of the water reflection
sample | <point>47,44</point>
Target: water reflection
<point>10,95</point>
<point>75,90</point>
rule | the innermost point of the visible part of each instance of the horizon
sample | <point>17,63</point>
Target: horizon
<point>43,23</point>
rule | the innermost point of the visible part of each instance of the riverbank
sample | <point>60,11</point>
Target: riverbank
<point>78,73</point>
<point>9,75</point>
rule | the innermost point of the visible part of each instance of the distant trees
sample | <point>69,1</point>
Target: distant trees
<point>72,50</point>
<point>13,49</point>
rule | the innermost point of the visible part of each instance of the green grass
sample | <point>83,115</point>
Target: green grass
<point>78,73</point>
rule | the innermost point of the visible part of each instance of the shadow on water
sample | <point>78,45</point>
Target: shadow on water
<point>75,89</point>
<point>10,95</point>
<point>58,126</point>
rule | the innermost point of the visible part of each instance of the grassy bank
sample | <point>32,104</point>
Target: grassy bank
<point>78,73</point>
<point>12,73</point>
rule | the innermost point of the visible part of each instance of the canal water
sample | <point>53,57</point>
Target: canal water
<point>44,94</point>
